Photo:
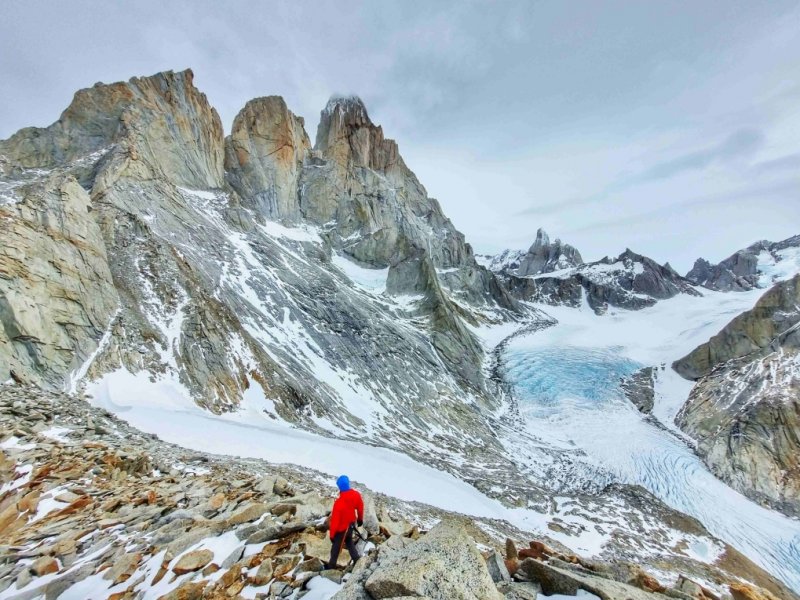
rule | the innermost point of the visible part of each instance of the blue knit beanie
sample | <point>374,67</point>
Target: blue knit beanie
<point>343,483</point>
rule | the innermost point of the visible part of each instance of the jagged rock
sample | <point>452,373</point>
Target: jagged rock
<point>123,567</point>
<point>519,590</point>
<point>753,330</point>
<point>746,426</point>
<point>233,557</point>
<point>511,549</point>
<point>250,513</point>
<point>743,591</point>
<point>44,566</point>
<point>694,589</point>
<point>444,564</point>
<point>216,501</point>
<point>264,573</point>
<point>56,289</point>
<point>193,561</point>
<point>385,207</point>
<point>546,257</point>
<point>187,591</point>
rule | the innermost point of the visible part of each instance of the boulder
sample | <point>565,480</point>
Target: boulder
<point>264,573</point>
<point>511,549</point>
<point>187,591</point>
<point>123,567</point>
<point>519,590</point>
<point>444,564</point>
<point>249,513</point>
<point>193,561</point>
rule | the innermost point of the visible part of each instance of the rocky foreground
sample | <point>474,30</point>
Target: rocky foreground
<point>91,508</point>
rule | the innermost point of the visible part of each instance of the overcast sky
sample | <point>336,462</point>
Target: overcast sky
<point>672,128</point>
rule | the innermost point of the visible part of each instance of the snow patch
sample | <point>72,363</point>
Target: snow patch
<point>302,233</point>
<point>370,280</point>
<point>778,266</point>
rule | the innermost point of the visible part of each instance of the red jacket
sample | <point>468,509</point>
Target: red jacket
<point>348,508</point>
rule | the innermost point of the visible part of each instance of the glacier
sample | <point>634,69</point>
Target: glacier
<point>566,381</point>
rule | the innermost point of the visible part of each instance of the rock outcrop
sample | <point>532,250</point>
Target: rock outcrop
<point>746,269</point>
<point>775,313</point>
<point>58,294</point>
<point>744,410</point>
<point>444,564</point>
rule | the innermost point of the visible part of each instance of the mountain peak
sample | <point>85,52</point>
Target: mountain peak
<point>341,116</point>
<point>542,239</point>
<point>347,105</point>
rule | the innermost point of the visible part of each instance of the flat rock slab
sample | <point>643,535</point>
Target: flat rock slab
<point>555,580</point>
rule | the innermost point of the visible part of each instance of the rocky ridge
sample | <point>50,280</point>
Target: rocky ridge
<point>91,508</point>
<point>752,267</point>
<point>630,281</point>
<point>743,410</point>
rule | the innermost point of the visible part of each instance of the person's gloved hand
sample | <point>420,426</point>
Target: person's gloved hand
<point>360,523</point>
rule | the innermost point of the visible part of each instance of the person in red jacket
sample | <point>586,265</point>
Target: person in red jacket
<point>348,509</point>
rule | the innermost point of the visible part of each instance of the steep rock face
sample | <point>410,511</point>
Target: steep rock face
<point>416,275</point>
<point>371,207</point>
<point>56,291</point>
<point>264,157</point>
<point>747,269</point>
<point>630,281</point>
<point>775,312</point>
<point>745,409</point>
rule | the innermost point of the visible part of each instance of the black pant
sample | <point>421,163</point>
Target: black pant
<point>339,539</point>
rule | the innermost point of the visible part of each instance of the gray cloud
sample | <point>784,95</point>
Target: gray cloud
<point>790,162</point>
<point>742,143</point>
<point>514,115</point>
